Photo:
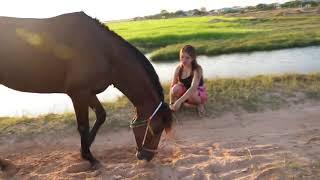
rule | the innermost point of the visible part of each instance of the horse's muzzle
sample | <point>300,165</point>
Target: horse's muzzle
<point>144,155</point>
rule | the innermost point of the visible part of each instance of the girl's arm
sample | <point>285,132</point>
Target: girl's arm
<point>175,76</point>
<point>173,82</point>
<point>194,86</point>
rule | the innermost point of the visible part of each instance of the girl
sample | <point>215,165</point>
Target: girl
<point>187,83</point>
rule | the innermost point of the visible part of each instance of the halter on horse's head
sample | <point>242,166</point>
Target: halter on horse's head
<point>148,132</point>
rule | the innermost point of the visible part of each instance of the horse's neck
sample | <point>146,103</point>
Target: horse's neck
<point>133,81</point>
<point>142,95</point>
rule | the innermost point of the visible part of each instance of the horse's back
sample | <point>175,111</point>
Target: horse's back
<point>36,55</point>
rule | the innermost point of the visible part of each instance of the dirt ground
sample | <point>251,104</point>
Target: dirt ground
<point>279,144</point>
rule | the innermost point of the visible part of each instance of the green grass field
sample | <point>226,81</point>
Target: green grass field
<point>212,35</point>
<point>225,95</point>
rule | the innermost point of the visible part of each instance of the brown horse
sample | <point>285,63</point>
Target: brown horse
<point>79,56</point>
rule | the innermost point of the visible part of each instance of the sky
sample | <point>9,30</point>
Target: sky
<point>113,9</point>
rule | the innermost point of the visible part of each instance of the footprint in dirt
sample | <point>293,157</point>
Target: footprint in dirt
<point>79,167</point>
<point>82,170</point>
<point>7,169</point>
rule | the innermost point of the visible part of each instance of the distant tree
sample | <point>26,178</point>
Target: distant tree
<point>164,12</point>
<point>203,9</point>
<point>179,13</point>
<point>251,8</point>
<point>312,3</point>
<point>265,6</point>
<point>261,6</point>
<point>292,4</point>
<point>138,18</point>
<point>197,12</point>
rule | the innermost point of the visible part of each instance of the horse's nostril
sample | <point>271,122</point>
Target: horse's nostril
<point>142,155</point>
<point>139,156</point>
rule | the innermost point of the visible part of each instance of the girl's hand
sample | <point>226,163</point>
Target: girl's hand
<point>176,106</point>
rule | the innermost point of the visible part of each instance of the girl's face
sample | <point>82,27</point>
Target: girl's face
<point>185,59</point>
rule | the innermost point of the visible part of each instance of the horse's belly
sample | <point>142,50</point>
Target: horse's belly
<point>48,80</point>
<point>34,86</point>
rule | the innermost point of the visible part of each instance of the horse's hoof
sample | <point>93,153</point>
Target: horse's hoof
<point>87,156</point>
<point>95,165</point>
<point>8,169</point>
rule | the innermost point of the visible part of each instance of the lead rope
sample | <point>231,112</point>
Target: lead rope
<point>148,125</point>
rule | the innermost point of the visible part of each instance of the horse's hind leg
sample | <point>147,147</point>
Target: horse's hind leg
<point>80,102</point>
<point>100,115</point>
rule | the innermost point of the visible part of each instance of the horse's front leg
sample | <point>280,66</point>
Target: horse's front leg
<point>100,115</point>
<point>80,102</point>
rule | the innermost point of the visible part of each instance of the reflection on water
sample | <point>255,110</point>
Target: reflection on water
<point>297,60</point>
<point>16,103</point>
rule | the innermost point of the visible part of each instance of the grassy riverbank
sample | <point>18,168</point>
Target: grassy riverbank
<point>213,35</point>
<point>225,95</point>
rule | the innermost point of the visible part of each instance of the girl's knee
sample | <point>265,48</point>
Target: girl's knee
<point>178,90</point>
<point>194,98</point>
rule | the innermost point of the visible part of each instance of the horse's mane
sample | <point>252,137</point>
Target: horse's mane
<point>141,58</point>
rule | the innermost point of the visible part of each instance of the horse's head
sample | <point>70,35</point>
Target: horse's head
<point>148,132</point>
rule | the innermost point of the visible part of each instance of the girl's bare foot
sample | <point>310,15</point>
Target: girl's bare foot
<point>201,110</point>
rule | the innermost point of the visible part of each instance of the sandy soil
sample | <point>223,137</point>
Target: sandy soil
<point>267,145</point>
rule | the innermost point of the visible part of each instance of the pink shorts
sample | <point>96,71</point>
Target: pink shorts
<point>202,92</point>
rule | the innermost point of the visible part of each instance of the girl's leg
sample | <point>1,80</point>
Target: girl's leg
<point>204,98</point>
<point>194,99</point>
<point>176,92</point>
<point>201,110</point>
<point>199,98</point>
